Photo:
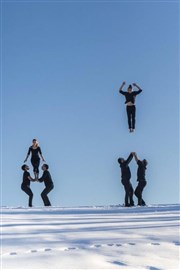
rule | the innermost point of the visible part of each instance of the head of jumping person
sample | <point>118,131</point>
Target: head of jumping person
<point>35,142</point>
<point>45,167</point>
<point>130,89</point>
<point>25,167</point>
<point>120,160</point>
<point>145,162</point>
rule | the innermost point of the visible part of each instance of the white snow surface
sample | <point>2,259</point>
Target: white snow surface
<point>102,237</point>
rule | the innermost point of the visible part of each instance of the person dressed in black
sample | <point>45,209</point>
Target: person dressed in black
<point>46,178</point>
<point>35,151</point>
<point>130,96</point>
<point>25,186</point>
<point>142,164</point>
<point>125,179</point>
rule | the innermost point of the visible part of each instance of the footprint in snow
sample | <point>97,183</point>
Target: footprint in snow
<point>70,248</point>
<point>34,251</point>
<point>153,268</point>
<point>131,244</point>
<point>118,245</point>
<point>47,249</point>
<point>97,246</point>
<point>119,263</point>
<point>176,243</point>
<point>155,244</point>
<point>13,253</point>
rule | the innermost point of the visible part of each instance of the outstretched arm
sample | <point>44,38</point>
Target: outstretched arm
<point>135,156</point>
<point>138,87</point>
<point>120,89</point>
<point>128,160</point>
<point>31,179</point>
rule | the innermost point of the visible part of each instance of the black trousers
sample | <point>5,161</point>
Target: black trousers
<point>128,193</point>
<point>45,197</point>
<point>131,114</point>
<point>35,163</point>
<point>28,191</point>
<point>138,192</point>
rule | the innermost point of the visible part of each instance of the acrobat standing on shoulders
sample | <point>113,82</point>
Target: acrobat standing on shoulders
<point>130,96</point>
<point>35,151</point>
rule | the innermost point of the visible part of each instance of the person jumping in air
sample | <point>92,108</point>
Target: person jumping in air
<point>35,151</point>
<point>25,186</point>
<point>125,179</point>
<point>142,164</point>
<point>46,178</point>
<point>130,96</point>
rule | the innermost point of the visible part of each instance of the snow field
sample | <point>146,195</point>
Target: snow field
<point>105,237</point>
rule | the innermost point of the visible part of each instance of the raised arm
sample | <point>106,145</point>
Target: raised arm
<point>120,89</point>
<point>128,160</point>
<point>135,156</point>
<point>138,87</point>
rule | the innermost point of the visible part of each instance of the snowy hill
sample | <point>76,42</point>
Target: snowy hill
<point>104,237</point>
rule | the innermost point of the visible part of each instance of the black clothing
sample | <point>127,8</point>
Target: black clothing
<point>45,197</point>
<point>125,171</point>
<point>46,178</point>
<point>28,191</point>
<point>138,192</point>
<point>25,186</point>
<point>141,182</point>
<point>34,152</point>
<point>130,97</point>
<point>35,159</point>
<point>141,171</point>
<point>131,110</point>
<point>26,181</point>
<point>35,163</point>
<point>128,193</point>
<point>125,180</point>
<point>131,114</point>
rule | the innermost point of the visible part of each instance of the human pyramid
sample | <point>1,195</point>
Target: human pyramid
<point>36,153</point>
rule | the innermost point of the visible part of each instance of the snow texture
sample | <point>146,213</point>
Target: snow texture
<point>104,237</point>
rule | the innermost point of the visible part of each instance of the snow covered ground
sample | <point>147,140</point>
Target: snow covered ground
<point>105,237</point>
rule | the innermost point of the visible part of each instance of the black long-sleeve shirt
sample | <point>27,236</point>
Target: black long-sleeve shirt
<point>141,171</point>
<point>130,97</point>
<point>125,170</point>
<point>35,152</point>
<point>46,178</point>
<point>26,181</point>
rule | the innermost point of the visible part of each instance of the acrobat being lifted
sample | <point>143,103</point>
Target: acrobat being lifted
<point>130,96</point>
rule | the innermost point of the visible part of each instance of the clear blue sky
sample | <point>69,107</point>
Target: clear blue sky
<point>62,65</point>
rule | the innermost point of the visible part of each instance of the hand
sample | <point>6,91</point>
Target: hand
<point>134,84</point>
<point>123,83</point>
<point>133,153</point>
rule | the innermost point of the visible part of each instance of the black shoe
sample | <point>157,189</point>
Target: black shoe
<point>127,205</point>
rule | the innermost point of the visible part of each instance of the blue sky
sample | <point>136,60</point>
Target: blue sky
<point>62,66</point>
